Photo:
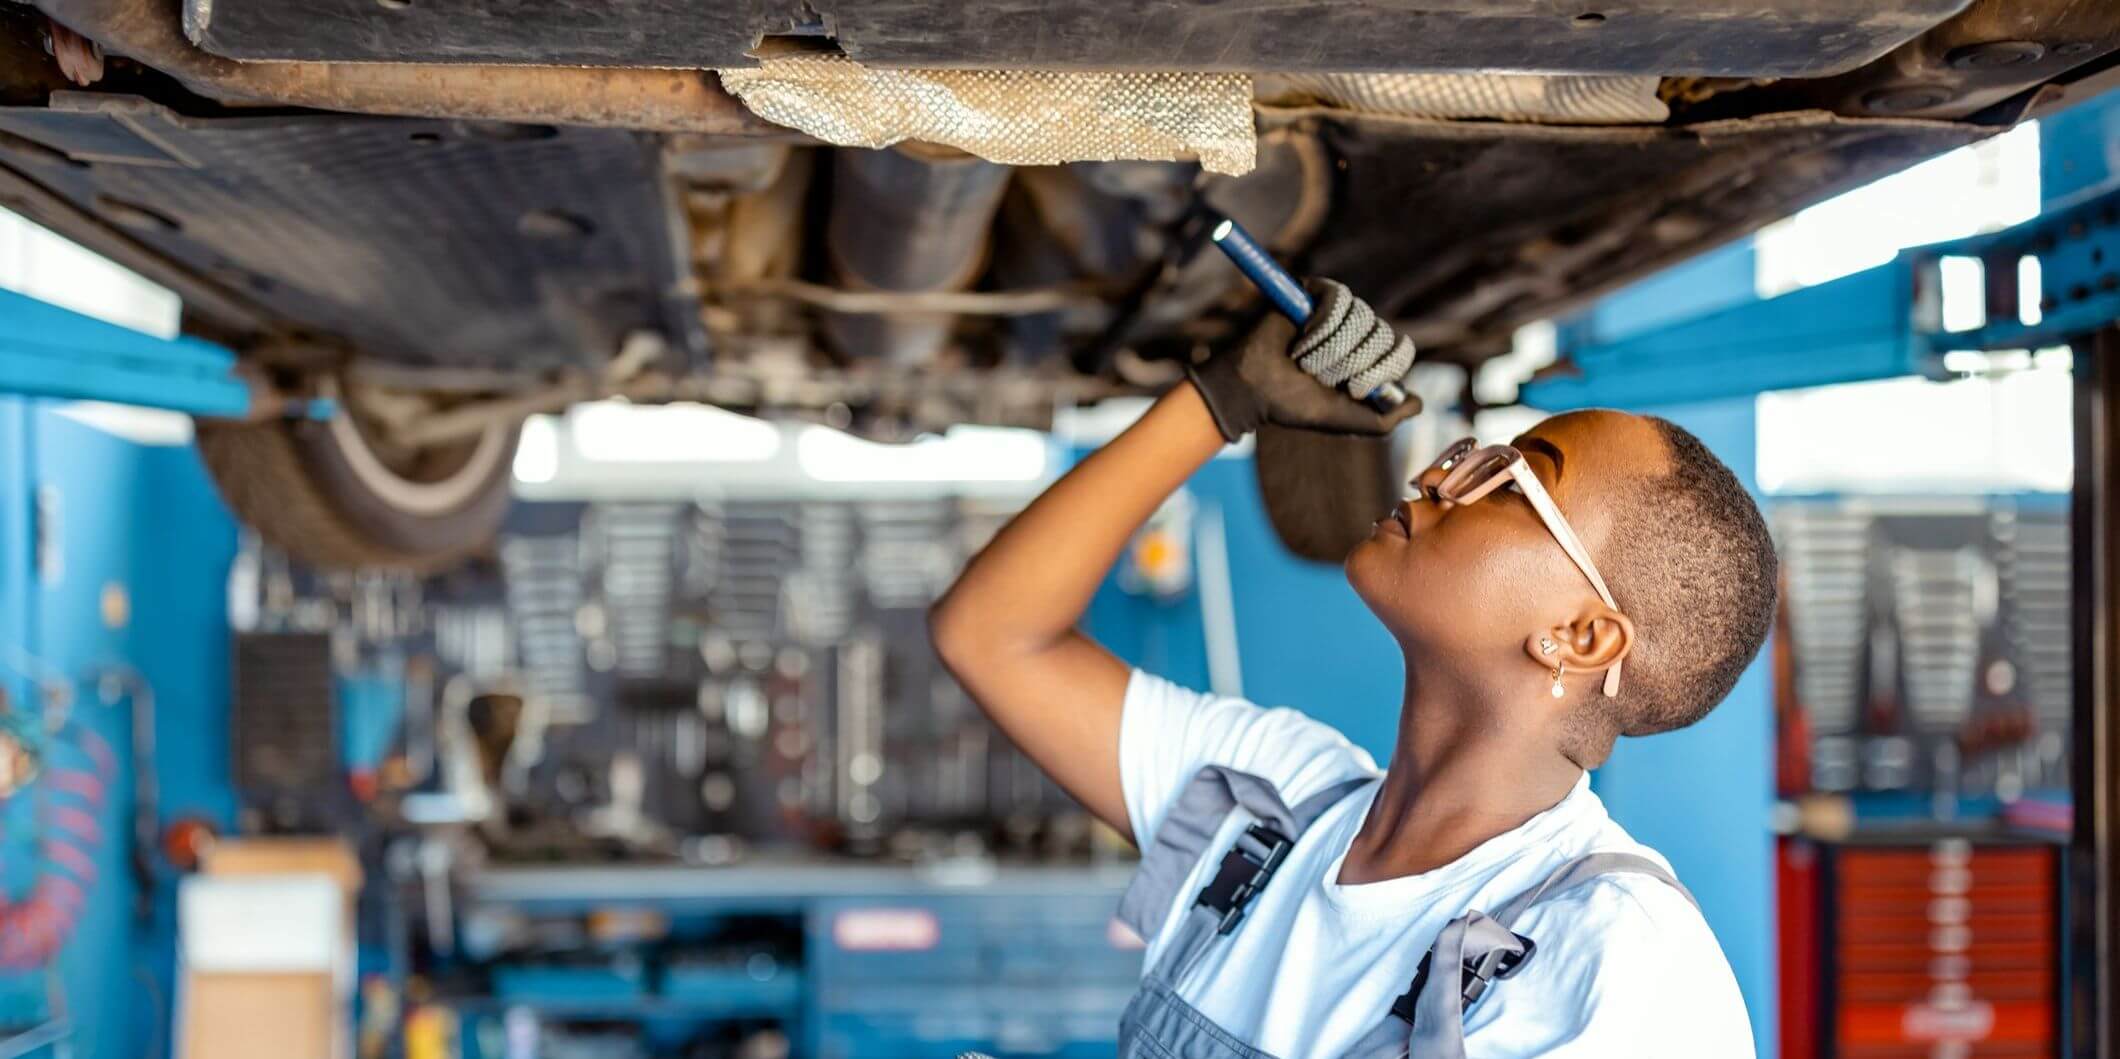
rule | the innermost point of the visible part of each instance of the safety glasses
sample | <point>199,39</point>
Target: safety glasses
<point>1472,472</point>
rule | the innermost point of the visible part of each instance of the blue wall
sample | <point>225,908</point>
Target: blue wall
<point>142,520</point>
<point>1716,280</point>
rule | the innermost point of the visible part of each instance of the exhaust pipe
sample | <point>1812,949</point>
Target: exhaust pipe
<point>913,219</point>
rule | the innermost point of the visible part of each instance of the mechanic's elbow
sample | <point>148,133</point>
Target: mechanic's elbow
<point>954,630</point>
<point>979,633</point>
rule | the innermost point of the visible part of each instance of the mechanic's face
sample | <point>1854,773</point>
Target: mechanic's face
<point>1476,582</point>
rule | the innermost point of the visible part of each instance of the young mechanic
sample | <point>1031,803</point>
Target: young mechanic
<point>1602,576</point>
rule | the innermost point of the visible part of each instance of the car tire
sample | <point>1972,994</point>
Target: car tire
<point>318,491</point>
<point>1323,492</point>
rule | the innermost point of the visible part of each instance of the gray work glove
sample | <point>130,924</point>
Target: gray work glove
<point>1313,379</point>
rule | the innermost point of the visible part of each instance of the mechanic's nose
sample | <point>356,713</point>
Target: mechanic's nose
<point>1426,484</point>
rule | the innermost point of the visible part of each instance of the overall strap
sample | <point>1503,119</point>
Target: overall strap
<point>1485,949</point>
<point>1583,869</point>
<point>1182,842</point>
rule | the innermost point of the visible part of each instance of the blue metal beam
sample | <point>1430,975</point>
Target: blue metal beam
<point>1883,323</point>
<point>47,351</point>
<point>2077,148</point>
<point>2077,246</point>
<point>1851,329</point>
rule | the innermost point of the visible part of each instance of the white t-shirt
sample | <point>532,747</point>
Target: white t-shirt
<point>1625,965</point>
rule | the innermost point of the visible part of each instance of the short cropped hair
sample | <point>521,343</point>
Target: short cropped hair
<point>1690,561</point>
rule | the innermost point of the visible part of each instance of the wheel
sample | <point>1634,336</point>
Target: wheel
<point>1323,492</point>
<point>335,495</point>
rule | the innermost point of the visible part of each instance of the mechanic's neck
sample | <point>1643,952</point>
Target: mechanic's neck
<point>1465,769</point>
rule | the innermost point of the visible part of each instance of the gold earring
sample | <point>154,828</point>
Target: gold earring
<point>1546,646</point>
<point>1558,690</point>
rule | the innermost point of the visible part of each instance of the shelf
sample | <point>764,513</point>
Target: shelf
<point>787,1007</point>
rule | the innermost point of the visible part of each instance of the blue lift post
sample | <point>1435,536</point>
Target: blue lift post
<point>85,597</point>
<point>125,629</point>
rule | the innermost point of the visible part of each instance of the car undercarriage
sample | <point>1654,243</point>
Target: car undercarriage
<point>443,218</point>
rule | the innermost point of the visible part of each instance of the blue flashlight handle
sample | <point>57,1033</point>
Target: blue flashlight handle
<point>1282,289</point>
<point>1284,292</point>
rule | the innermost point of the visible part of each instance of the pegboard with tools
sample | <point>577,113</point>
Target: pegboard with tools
<point>1930,643</point>
<point>682,682</point>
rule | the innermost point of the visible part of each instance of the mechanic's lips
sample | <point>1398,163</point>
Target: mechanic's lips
<point>1400,522</point>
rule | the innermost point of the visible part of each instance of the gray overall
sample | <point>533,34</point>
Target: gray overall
<point>1426,1022</point>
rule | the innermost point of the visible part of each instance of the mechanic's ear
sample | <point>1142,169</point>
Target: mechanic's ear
<point>1593,641</point>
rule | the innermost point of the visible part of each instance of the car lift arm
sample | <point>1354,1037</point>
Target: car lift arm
<point>47,351</point>
<point>1881,323</point>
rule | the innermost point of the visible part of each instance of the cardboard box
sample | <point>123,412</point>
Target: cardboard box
<point>266,950</point>
<point>233,1015</point>
<point>286,856</point>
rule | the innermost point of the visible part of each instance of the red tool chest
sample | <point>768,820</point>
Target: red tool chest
<point>1943,948</point>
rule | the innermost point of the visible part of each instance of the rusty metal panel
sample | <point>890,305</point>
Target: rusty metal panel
<point>1739,38</point>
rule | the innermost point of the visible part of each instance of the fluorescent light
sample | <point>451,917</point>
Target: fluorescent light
<point>49,267</point>
<point>537,451</point>
<point>966,454</point>
<point>618,432</point>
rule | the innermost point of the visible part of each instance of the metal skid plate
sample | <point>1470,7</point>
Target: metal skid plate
<point>415,241</point>
<point>1753,38</point>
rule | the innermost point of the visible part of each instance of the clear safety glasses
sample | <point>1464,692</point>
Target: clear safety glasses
<point>1471,472</point>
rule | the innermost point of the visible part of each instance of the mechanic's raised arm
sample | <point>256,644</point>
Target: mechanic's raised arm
<point>1006,629</point>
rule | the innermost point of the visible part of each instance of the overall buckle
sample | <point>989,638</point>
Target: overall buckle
<point>1479,973</point>
<point>1244,871</point>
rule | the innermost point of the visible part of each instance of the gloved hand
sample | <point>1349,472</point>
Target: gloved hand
<point>1313,379</point>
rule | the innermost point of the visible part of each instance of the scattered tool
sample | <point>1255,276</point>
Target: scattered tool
<point>1285,293</point>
